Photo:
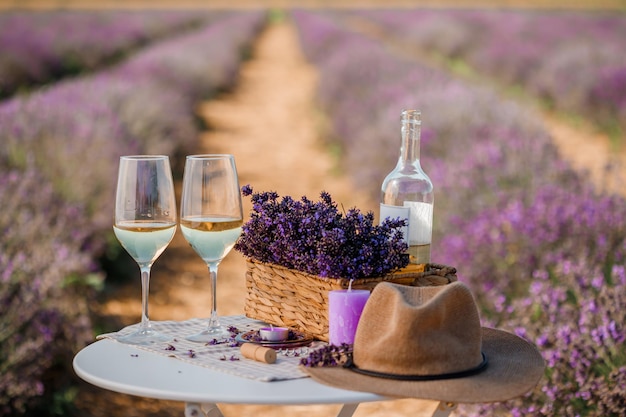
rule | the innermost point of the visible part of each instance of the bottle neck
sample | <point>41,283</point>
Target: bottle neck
<point>411,130</point>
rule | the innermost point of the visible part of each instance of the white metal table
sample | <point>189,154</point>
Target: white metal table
<point>125,369</point>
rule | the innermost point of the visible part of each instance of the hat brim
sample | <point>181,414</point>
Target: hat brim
<point>514,368</point>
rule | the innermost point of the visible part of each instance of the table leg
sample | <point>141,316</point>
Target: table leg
<point>196,410</point>
<point>211,410</point>
<point>444,409</point>
<point>347,410</point>
<point>193,410</point>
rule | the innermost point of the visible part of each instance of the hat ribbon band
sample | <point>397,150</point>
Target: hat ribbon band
<point>460,374</point>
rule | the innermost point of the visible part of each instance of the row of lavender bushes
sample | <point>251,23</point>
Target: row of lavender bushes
<point>58,168</point>
<point>575,61</point>
<point>40,47</point>
<point>543,250</point>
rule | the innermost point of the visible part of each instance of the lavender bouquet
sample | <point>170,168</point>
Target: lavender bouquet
<point>318,239</point>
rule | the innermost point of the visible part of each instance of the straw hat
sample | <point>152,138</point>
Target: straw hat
<point>427,342</point>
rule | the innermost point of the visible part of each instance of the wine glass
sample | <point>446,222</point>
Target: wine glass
<point>211,217</point>
<point>145,222</point>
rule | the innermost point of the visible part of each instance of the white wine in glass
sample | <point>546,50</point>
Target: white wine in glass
<point>145,222</point>
<point>211,216</point>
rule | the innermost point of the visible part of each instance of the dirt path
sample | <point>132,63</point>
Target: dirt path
<point>590,151</point>
<point>271,126</point>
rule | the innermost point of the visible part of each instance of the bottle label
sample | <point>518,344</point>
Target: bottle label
<point>420,220</point>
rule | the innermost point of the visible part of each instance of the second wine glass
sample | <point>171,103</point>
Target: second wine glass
<point>211,216</point>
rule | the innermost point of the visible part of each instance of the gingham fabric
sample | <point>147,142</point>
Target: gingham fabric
<point>223,357</point>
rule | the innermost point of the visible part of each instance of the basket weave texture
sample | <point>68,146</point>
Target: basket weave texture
<point>289,298</point>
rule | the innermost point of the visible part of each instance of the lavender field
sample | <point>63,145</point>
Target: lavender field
<point>36,47</point>
<point>543,249</point>
<point>60,149</point>
<point>574,62</point>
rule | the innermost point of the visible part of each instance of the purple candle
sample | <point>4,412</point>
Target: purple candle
<point>344,312</point>
<point>274,334</point>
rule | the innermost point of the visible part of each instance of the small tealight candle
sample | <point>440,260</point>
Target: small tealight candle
<point>344,312</point>
<point>274,334</point>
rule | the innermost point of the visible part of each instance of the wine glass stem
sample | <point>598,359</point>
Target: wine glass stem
<point>145,290</point>
<point>214,322</point>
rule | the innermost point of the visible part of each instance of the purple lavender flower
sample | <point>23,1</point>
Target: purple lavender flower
<point>315,237</point>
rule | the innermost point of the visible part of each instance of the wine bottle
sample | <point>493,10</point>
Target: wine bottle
<point>407,192</point>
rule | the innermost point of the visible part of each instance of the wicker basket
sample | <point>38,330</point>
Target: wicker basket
<point>290,298</point>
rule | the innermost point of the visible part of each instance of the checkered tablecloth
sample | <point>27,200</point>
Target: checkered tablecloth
<point>223,357</point>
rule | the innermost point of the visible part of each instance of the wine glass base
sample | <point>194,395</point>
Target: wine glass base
<point>144,337</point>
<point>211,334</point>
